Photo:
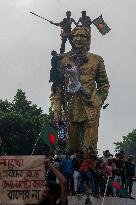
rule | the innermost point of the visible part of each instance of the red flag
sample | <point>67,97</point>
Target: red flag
<point>52,138</point>
<point>49,135</point>
<point>101,25</point>
<point>116,185</point>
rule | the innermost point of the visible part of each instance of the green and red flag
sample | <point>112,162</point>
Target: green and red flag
<point>49,135</point>
<point>101,25</point>
<point>117,185</point>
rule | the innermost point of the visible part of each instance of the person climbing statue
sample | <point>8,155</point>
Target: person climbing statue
<point>65,24</point>
<point>56,76</point>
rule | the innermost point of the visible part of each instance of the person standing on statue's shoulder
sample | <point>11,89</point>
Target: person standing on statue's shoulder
<point>85,20</point>
<point>65,24</point>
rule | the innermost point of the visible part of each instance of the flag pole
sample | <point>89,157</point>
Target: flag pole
<point>39,16</point>
<point>105,190</point>
<point>37,140</point>
<point>35,144</point>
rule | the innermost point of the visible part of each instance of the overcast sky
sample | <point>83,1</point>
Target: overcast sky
<point>26,42</point>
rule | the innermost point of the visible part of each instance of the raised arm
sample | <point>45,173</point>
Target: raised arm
<point>56,24</point>
<point>62,180</point>
<point>73,21</point>
<point>78,21</point>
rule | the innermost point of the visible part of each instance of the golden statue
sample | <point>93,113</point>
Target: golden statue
<point>82,106</point>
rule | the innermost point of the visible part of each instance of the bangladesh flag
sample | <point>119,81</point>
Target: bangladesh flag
<point>49,135</point>
<point>101,25</point>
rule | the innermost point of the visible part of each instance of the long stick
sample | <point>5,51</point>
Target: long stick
<point>35,144</point>
<point>105,190</point>
<point>37,140</point>
<point>40,16</point>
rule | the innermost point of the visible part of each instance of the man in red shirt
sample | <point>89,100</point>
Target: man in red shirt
<point>86,173</point>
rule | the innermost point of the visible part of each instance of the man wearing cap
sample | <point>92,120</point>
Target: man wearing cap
<point>85,21</point>
<point>65,24</point>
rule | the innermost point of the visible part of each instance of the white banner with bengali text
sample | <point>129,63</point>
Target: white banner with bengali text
<point>22,179</point>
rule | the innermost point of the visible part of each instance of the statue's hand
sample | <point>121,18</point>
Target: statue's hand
<point>98,101</point>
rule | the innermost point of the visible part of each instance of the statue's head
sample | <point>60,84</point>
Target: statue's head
<point>81,36</point>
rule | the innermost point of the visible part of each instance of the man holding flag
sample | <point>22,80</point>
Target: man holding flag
<point>65,24</point>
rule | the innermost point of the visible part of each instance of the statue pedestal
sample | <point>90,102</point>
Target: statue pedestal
<point>81,200</point>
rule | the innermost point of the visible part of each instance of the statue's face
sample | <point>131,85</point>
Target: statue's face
<point>80,39</point>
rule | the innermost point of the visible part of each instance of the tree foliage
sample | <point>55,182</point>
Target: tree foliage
<point>20,124</point>
<point>128,145</point>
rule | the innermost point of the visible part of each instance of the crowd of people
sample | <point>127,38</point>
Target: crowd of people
<point>95,173</point>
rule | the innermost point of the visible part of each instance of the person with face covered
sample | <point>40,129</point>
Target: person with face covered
<point>84,111</point>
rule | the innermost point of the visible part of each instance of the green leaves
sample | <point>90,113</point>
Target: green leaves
<point>128,145</point>
<point>20,125</point>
